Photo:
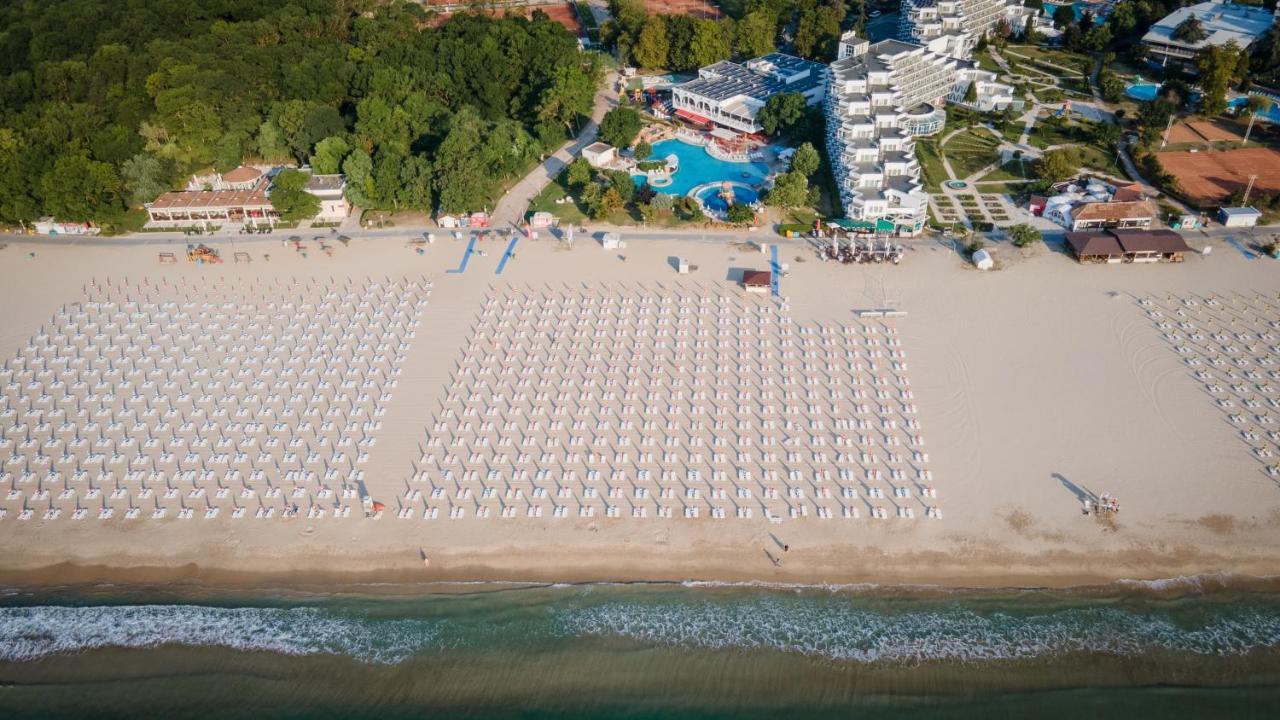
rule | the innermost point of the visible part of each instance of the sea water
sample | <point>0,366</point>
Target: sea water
<point>656,651</point>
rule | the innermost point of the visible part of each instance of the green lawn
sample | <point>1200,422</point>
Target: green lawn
<point>546,202</point>
<point>1019,169</point>
<point>1045,134</point>
<point>986,63</point>
<point>1097,159</point>
<point>1049,97</point>
<point>1065,58</point>
<point>970,151</point>
<point>931,168</point>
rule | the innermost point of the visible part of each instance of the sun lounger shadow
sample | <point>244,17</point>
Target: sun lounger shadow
<point>1081,493</point>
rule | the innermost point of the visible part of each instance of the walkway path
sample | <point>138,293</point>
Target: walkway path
<point>512,207</point>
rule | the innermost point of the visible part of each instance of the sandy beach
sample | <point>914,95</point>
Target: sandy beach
<point>1030,389</point>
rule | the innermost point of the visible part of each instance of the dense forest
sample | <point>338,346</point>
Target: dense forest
<point>104,105</point>
<point>808,28</point>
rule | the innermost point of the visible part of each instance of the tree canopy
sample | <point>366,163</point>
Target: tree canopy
<point>620,126</point>
<point>1057,165</point>
<point>781,111</point>
<point>290,198</point>
<point>683,42</point>
<point>1190,30</point>
<point>106,104</point>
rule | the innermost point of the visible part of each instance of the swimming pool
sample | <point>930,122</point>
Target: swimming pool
<point>697,167</point>
<point>1142,91</point>
<point>712,196</point>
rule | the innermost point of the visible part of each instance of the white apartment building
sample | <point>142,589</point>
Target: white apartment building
<point>952,27</point>
<point>730,94</point>
<point>878,98</point>
<point>991,96</point>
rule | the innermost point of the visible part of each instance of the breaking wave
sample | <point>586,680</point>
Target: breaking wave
<point>30,633</point>
<point>950,634</point>
<point>856,627</point>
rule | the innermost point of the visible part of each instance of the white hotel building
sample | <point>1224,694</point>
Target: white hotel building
<point>730,94</point>
<point>879,97</point>
<point>957,23</point>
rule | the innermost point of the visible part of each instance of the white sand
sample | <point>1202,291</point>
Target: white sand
<point>1032,384</point>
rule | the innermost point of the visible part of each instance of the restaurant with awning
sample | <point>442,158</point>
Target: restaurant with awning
<point>1130,246</point>
<point>692,118</point>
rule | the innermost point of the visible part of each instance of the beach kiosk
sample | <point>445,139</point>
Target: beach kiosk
<point>983,260</point>
<point>757,281</point>
<point>1240,216</point>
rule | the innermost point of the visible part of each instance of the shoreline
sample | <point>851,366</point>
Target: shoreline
<point>404,580</point>
<point>1036,386</point>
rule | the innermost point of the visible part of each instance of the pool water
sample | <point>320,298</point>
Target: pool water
<point>1144,91</point>
<point>713,199</point>
<point>698,167</point>
<point>1269,113</point>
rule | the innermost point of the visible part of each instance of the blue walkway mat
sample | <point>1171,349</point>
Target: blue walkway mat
<point>466,257</point>
<point>511,248</point>
<point>1248,254</point>
<point>775,269</point>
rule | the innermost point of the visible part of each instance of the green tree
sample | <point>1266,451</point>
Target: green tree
<point>329,154</point>
<point>680,30</point>
<point>1217,66</point>
<point>578,174</point>
<point>642,150</point>
<point>755,33</point>
<point>358,168</point>
<point>709,43</point>
<point>1152,118</point>
<point>741,213</point>
<point>653,45</point>
<point>20,164</point>
<point>621,182</point>
<point>290,198</point>
<point>1123,18</point>
<point>77,189</point>
<point>781,112</point>
<point>818,27</point>
<point>415,183</point>
<point>1057,165</point>
<point>607,203</point>
<point>1064,15</point>
<point>805,160</point>
<point>570,95</point>
<point>1105,135</point>
<point>146,177</point>
<point>1111,86</point>
<point>270,143</point>
<point>620,126</point>
<point>1190,31</point>
<point>462,180</point>
<point>971,93</point>
<point>791,189</point>
<point>1098,38</point>
<point>1023,235</point>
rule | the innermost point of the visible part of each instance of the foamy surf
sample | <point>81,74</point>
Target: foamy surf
<point>30,633</point>
<point>952,634</point>
<point>835,626</point>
